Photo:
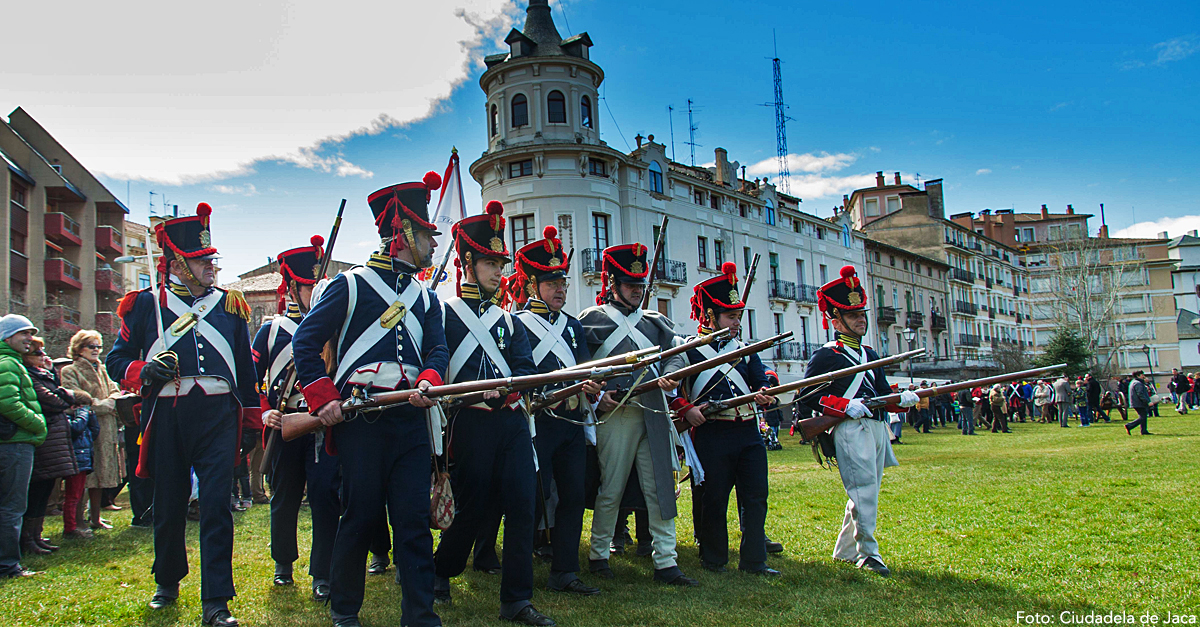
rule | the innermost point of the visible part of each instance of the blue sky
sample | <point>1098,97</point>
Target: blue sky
<point>1012,104</point>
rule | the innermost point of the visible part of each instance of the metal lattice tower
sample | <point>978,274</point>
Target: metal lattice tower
<point>781,119</point>
<point>692,128</point>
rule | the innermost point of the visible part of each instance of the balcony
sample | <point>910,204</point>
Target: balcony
<point>589,260</point>
<point>670,271</point>
<point>969,339</point>
<point>781,290</point>
<point>62,317</point>
<point>963,307</point>
<point>956,244</point>
<point>937,321</point>
<point>60,228</point>
<point>886,316</point>
<point>806,293</point>
<point>977,246</point>
<point>966,276</point>
<point>110,281</point>
<point>62,273</point>
<point>18,267</point>
<point>109,241</point>
<point>795,351</point>
<point>107,322</point>
<point>914,319</point>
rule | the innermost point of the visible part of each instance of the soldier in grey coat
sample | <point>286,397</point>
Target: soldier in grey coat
<point>638,431</point>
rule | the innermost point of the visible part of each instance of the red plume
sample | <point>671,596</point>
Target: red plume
<point>848,271</point>
<point>729,269</point>
<point>203,210</point>
<point>549,232</point>
<point>316,240</point>
<point>495,208</point>
<point>432,180</point>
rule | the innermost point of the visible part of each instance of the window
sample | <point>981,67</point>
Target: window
<point>714,201</point>
<point>656,179</point>
<point>597,168</point>
<point>1074,232</point>
<point>893,204</point>
<point>1055,233</point>
<point>820,233</point>
<point>495,120</point>
<point>892,260</point>
<point>143,281</point>
<point>520,168</point>
<point>1133,276</point>
<point>770,213</point>
<point>750,324</point>
<point>778,323</point>
<point>585,112</point>
<point>718,253</point>
<point>746,257</point>
<point>600,231</point>
<point>556,108</point>
<point>657,228</point>
<point>664,307</point>
<point>522,231</point>
<point>520,111</point>
<point>702,250</point>
<point>1027,235</point>
<point>872,206</point>
<point>698,197</point>
<point>800,278</point>
<point>795,225</point>
<point>774,261</point>
<point>1040,285</point>
<point>824,270</point>
<point>742,210</point>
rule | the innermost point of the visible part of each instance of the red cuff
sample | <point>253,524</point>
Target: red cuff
<point>512,398</point>
<point>264,403</point>
<point>429,375</point>
<point>679,405</point>
<point>320,392</point>
<point>252,418</point>
<point>834,406</point>
<point>133,375</point>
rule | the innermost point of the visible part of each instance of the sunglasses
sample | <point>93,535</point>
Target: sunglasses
<point>94,347</point>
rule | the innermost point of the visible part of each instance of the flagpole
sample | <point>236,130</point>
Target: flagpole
<point>437,275</point>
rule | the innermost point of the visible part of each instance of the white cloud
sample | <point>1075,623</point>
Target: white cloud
<point>875,149</point>
<point>1170,50</point>
<point>815,176</point>
<point>245,190</point>
<point>982,171</point>
<point>237,82</point>
<point>1062,105</point>
<point>1173,226</point>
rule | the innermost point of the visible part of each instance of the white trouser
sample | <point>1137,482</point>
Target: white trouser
<point>620,443</point>
<point>863,451</point>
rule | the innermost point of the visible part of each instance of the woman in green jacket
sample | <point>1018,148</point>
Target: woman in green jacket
<point>22,429</point>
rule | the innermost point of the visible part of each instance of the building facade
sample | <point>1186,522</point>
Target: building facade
<point>908,291</point>
<point>63,229</point>
<point>547,163</point>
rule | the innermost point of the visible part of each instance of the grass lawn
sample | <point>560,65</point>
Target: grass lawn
<point>975,529</point>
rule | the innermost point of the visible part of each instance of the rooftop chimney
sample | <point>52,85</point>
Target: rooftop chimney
<point>1045,212</point>
<point>1103,231</point>
<point>1194,233</point>
<point>897,178</point>
<point>879,179</point>
<point>1163,235</point>
<point>1070,210</point>
<point>845,200</point>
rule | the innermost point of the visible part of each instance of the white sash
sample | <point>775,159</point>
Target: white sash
<point>700,385</point>
<point>285,354</point>
<point>203,329</point>
<point>376,332</point>
<point>856,383</point>
<point>549,336</point>
<point>479,335</point>
<point>626,328</point>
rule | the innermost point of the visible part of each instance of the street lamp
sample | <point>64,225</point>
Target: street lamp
<point>1149,366</point>
<point>910,335</point>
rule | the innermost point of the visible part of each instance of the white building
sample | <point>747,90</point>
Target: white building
<point>547,163</point>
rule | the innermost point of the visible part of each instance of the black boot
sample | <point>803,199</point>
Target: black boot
<point>164,596</point>
<point>216,613</point>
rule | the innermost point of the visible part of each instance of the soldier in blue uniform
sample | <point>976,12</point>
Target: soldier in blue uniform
<point>490,443</point>
<point>188,347</point>
<point>728,444</point>
<point>863,442</point>
<point>386,332</point>
<point>301,463</point>
<point>538,289</point>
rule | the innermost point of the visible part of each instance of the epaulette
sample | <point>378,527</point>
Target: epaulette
<point>235,303</point>
<point>127,301</point>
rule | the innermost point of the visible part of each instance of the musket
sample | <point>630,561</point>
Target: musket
<point>298,424</point>
<point>658,250</point>
<point>810,428</point>
<point>632,357</point>
<point>460,400</point>
<point>716,407</point>
<point>557,396</point>
<point>697,368</point>
<point>750,276</point>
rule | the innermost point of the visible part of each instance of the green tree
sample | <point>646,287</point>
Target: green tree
<point>1066,347</point>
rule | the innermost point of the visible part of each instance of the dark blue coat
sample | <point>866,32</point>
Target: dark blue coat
<point>329,314</point>
<point>832,357</point>
<point>719,387</point>
<point>478,365</point>
<point>85,428</point>
<point>265,353</point>
<point>575,338</point>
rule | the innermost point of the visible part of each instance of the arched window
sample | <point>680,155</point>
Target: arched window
<point>495,120</point>
<point>556,108</point>
<point>585,112</point>
<point>770,212</point>
<point>656,182</point>
<point>520,111</point>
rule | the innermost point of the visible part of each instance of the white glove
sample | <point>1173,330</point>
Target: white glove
<point>909,399</point>
<point>856,409</point>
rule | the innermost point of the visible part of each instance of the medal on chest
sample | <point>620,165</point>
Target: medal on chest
<point>392,315</point>
<point>571,332</point>
<point>500,337</point>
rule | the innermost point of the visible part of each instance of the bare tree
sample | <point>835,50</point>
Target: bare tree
<point>1084,282</point>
